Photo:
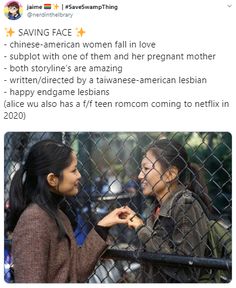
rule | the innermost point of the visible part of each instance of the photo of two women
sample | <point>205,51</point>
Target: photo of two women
<point>118,207</point>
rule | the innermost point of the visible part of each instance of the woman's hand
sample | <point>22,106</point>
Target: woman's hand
<point>117,216</point>
<point>133,219</point>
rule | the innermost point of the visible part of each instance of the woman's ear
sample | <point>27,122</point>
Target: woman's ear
<point>52,180</point>
<point>171,174</point>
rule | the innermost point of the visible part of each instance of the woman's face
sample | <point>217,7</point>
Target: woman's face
<point>152,177</point>
<point>13,10</point>
<point>68,186</point>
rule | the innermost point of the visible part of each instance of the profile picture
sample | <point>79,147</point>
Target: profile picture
<point>13,10</point>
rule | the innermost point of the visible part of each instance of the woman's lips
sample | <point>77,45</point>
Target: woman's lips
<point>143,185</point>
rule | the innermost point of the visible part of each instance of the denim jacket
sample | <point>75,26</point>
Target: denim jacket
<point>180,229</point>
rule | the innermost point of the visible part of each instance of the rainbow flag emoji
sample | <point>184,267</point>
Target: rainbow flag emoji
<point>47,6</point>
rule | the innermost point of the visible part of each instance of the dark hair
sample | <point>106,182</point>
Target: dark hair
<point>14,4</point>
<point>171,153</point>
<point>29,184</point>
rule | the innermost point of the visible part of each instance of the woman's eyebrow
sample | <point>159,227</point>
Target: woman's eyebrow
<point>147,164</point>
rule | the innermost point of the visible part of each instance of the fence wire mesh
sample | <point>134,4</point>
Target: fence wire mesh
<point>109,164</point>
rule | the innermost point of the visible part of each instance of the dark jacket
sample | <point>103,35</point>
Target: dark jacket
<point>180,229</point>
<point>39,255</point>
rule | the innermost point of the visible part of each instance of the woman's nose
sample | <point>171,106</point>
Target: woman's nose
<point>78,175</point>
<point>141,175</point>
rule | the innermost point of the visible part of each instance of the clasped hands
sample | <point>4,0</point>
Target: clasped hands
<point>123,215</point>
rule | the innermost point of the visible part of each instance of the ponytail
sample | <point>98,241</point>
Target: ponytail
<point>17,200</point>
<point>197,185</point>
<point>29,184</point>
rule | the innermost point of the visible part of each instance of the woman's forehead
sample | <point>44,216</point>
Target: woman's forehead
<point>149,158</point>
<point>73,156</point>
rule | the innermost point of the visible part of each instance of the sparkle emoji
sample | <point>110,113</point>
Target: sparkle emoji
<point>80,32</point>
<point>9,32</point>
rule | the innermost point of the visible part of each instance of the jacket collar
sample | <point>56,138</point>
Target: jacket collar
<point>166,206</point>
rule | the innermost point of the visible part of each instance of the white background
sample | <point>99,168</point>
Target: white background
<point>177,26</point>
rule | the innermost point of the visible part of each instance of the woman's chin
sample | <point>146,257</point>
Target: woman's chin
<point>74,192</point>
<point>147,192</point>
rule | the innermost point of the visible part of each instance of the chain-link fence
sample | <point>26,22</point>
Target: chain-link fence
<point>109,164</point>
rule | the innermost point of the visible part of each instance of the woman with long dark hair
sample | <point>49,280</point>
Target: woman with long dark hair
<point>178,224</point>
<point>44,248</point>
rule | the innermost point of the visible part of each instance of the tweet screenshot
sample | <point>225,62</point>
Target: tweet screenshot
<point>117,134</point>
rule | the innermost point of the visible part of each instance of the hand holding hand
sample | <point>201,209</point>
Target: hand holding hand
<point>117,216</point>
<point>134,221</point>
